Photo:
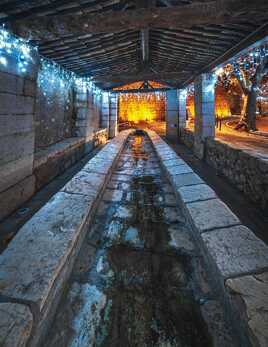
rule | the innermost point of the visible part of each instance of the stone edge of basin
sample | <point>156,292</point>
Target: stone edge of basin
<point>37,263</point>
<point>234,255</point>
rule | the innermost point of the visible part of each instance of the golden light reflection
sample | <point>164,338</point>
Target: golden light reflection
<point>222,104</point>
<point>222,107</point>
<point>141,107</point>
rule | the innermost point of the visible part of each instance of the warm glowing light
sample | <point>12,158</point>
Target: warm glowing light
<point>222,108</point>
<point>139,85</point>
<point>190,106</point>
<point>219,71</point>
<point>142,107</point>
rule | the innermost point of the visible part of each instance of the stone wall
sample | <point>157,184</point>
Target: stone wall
<point>54,117</point>
<point>187,137</point>
<point>246,170</point>
<point>17,101</point>
<point>44,129</point>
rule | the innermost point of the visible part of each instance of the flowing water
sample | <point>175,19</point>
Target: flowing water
<point>132,284</point>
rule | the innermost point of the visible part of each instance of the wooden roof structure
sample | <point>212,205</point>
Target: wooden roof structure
<point>122,41</point>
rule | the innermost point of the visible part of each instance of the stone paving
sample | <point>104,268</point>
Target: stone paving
<point>139,279</point>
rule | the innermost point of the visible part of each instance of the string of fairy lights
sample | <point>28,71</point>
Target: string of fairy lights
<point>244,64</point>
<point>247,62</point>
<point>51,76</point>
<point>12,47</point>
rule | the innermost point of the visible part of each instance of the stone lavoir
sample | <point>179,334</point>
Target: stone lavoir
<point>138,250</point>
<point>134,173</point>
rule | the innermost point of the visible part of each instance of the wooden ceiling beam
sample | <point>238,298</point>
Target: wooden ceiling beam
<point>197,13</point>
<point>141,76</point>
<point>145,46</point>
<point>252,38</point>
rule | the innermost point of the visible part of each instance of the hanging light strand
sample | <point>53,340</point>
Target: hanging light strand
<point>18,49</point>
<point>51,75</point>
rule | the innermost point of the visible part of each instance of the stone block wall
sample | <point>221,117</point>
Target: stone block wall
<point>247,171</point>
<point>88,116</point>
<point>17,105</point>
<point>54,116</point>
<point>244,169</point>
<point>42,123</point>
<point>186,136</point>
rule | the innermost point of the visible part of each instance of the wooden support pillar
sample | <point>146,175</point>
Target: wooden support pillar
<point>204,101</point>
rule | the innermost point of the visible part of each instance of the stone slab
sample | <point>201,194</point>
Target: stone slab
<point>196,192</point>
<point>16,104</point>
<point>16,146</point>
<point>86,183</point>
<point>56,150</point>
<point>16,322</point>
<point>187,179</point>
<point>15,124</point>
<point>253,290</point>
<point>16,195</point>
<point>179,169</point>
<point>99,165</point>
<point>167,155</point>
<point>33,260</point>
<point>236,251</point>
<point>173,162</point>
<point>10,83</point>
<point>15,171</point>
<point>211,214</point>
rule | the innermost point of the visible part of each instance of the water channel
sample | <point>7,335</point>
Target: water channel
<point>139,279</point>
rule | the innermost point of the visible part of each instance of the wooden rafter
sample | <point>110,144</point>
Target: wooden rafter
<point>213,12</point>
<point>122,41</point>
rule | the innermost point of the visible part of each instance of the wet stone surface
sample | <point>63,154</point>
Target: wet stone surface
<point>138,280</point>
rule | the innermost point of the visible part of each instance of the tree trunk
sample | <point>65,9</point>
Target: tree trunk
<point>248,112</point>
<point>251,110</point>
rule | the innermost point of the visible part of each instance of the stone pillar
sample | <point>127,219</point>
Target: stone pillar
<point>105,111</point>
<point>84,112</point>
<point>204,90</point>
<point>172,119</point>
<point>113,126</point>
<point>17,100</point>
<point>182,94</point>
